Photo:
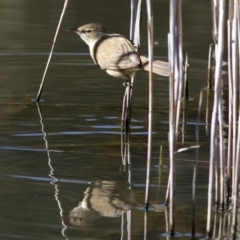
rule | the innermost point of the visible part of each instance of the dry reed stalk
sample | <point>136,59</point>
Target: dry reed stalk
<point>160,165</point>
<point>207,113</point>
<point>195,166</point>
<point>175,86</point>
<point>179,61</point>
<point>219,18</point>
<point>167,192</point>
<point>230,111</point>
<point>133,19</point>
<point>171,140</point>
<point>184,125</point>
<point>185,91</point>
<point>234,95</point>
<point>216,173</point>
<point>145,225</point>
<point>234,104</point>
<point>236,110</point>
<point>137,29</point>
<point>51,52</point>
<point>210,55</point>
<point>221,150</point>
<point>150,95</point>
<point>215,9</point>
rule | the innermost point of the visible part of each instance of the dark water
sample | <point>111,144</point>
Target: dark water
<point>79,188</point>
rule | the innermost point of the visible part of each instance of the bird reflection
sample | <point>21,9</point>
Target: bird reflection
<point>102,199</point>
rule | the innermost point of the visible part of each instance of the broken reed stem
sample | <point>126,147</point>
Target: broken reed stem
<point>184,125</point>
<point>150,95</point>
<point>210,56</point>
<point>160,165</point>
<point>185,97</point>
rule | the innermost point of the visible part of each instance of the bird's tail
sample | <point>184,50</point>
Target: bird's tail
<point>159,67</point>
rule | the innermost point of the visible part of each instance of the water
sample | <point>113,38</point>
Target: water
<point>61,167</point>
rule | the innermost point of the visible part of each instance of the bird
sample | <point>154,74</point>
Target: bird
<point>115,54</point>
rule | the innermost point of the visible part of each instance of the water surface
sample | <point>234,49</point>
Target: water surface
<point>62,173</point>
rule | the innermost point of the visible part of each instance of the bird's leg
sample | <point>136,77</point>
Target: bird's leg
<point>124,105</point>
<point>127,99</point>
<point>130,97</point>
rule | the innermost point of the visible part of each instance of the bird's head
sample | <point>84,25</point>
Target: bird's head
<point>90,32</point>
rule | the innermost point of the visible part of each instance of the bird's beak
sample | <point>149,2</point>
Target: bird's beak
<point>73,29</point>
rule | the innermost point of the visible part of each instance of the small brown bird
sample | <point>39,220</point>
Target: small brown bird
<point>115,54</point>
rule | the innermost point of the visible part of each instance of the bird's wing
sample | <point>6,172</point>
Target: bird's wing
<point>115,52</point>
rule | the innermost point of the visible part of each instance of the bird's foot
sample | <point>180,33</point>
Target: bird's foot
<point>126,84</point>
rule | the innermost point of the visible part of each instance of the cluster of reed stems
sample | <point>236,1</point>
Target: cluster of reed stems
<point>224,162</point>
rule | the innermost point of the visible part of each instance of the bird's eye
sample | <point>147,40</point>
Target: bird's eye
<point>88,31</point>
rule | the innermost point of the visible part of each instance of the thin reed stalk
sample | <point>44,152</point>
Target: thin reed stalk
<point>185,91</point>
<point>150,95</point>
<point>167,192</point>
<point>215,9</point>
<point>221,152</point>
<point>160,171</point>
<point>234,95</point>
<point>230,111</point>
<point>137,28</point>
<point>145,225</point>
<point>175,88</point>
<point>179,61</point>
<point>236,110</point>
<point>216,167</point>
<point>184,125</point>
<point>210,55</point>
<point>219,18</point>
<point>51,53</point>
<point>133,18</point>
<point>195,167</point>
<point>171,141</point>
<point>207,113</point>
<point>175,93</point>
<point>236,185</point>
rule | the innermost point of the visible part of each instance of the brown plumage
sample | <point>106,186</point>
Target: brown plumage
<point>115,54</point>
